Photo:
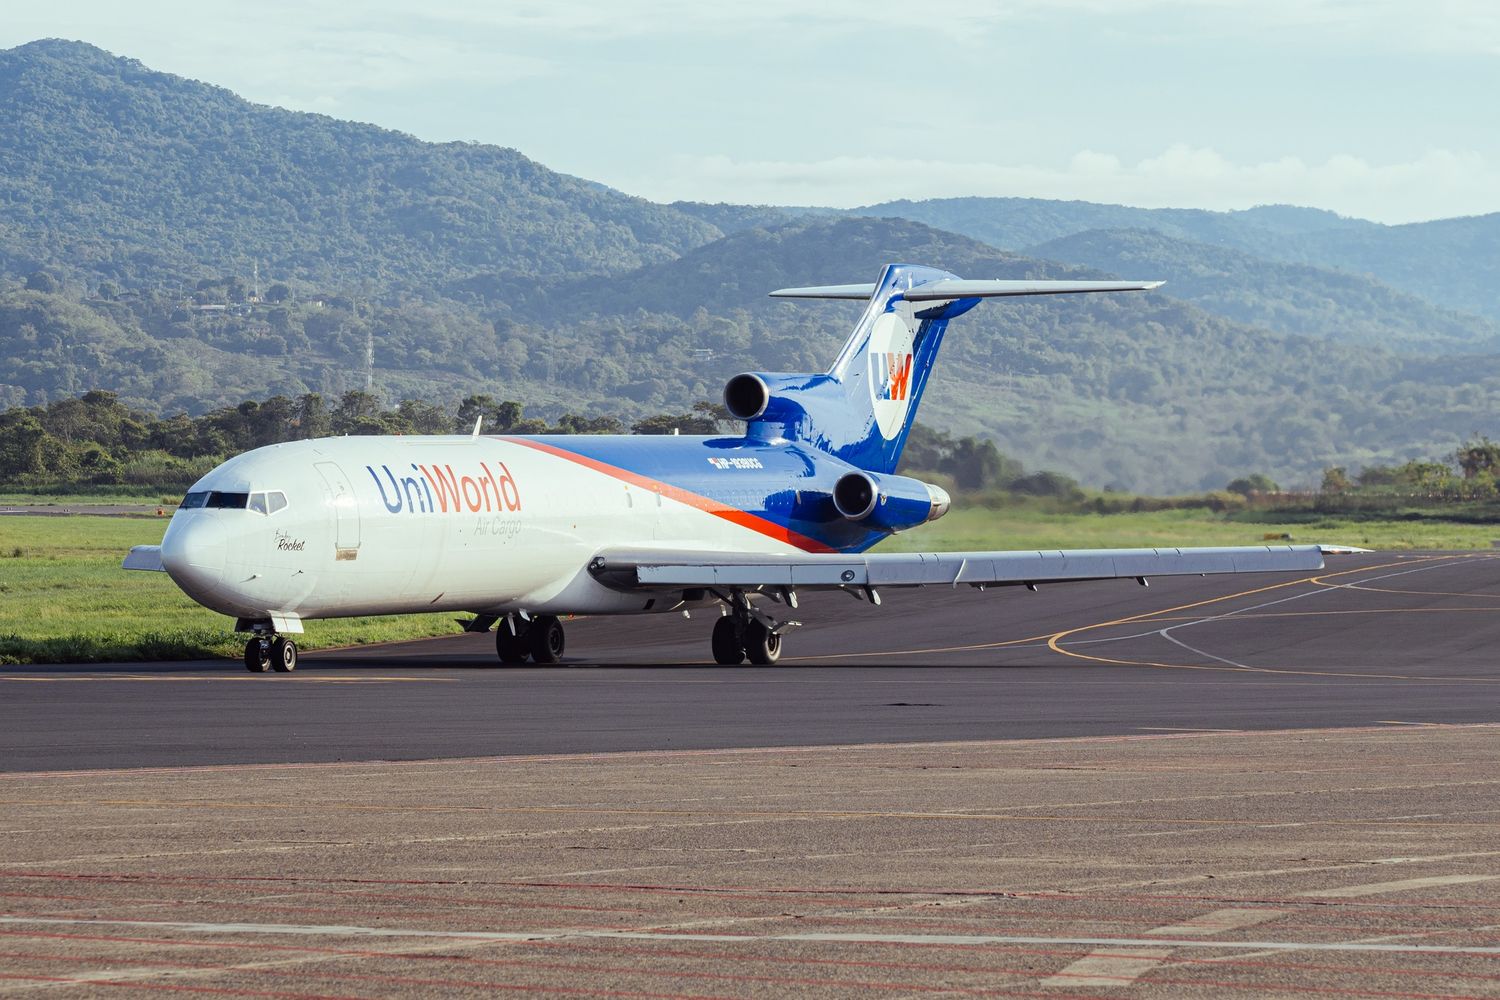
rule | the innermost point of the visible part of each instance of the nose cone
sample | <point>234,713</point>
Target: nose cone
<point>193,553</point>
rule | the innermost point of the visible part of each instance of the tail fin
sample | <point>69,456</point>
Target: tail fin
<point>862,409</point>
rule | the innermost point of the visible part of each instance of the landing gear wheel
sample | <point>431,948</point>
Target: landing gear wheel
<point>729,651</point>
<point>257,655</point>
<point>546,639</point>
<point>283,655</point>
<point>512,648</point>
<point>761,644</point>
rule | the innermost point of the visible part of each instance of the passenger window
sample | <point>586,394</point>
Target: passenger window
<point>257,503</point>
<point>277,501</point>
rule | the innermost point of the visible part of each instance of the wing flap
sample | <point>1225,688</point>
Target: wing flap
<point>668,569</point>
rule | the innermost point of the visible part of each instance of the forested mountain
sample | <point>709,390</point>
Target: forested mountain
<point>112,171</point>
<point>132,205</point>
<point>1284,298</point>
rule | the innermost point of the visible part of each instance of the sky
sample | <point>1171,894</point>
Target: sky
<point>1380,109</point>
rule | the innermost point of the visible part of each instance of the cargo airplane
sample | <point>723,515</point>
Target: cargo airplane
<point>524,531</point>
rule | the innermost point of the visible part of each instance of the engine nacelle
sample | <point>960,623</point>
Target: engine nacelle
<point>894,503</point>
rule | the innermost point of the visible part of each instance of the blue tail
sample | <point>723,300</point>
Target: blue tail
<point>861,410</point>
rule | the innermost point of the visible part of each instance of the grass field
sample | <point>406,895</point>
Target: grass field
<point>64,598</point>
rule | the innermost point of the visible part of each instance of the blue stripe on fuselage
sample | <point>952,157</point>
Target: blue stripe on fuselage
<point>785,484</point>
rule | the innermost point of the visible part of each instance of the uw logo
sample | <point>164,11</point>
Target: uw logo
<point>896,380</point>
<point>890,351</point>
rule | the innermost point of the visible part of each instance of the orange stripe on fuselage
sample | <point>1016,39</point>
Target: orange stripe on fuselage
<point>734,515</point>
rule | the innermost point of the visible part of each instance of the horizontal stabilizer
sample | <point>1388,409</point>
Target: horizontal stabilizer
<point>957,288</point>
<point>632,569</point>
<point>860,292</point>
<point>961,289</point>
<point>146,557</point>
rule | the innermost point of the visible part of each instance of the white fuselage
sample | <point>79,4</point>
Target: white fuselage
<point>390,525</point>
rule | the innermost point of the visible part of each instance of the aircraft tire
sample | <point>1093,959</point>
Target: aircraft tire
<point>283,655</point>
<point>257,657</point>
<point>512,649</point>
<point>546,639</point>
<point>762,646</point>
<point>728,650</point>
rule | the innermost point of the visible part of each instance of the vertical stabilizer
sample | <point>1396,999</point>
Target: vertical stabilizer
<point>861,410</point>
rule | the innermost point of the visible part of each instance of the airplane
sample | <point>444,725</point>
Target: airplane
<point>524,531</point>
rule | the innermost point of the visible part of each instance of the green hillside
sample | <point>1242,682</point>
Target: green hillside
<point>111,171</point>
<point>1286,298</point>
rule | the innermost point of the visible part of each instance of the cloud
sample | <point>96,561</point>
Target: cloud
<point>1437,184</point>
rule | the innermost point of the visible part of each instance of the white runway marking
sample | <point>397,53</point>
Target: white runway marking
<point>1351,891</point>
<point>561,934</point>
<point>1121,968</point>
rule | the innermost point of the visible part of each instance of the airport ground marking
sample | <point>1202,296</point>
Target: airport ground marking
<point>751,815</point>
<point>824,937</point>
<point>1055,643</point>
<point>1113,967</point>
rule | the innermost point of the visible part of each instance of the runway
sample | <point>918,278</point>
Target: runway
<point>1212,787</point>
<point>1375,639</point>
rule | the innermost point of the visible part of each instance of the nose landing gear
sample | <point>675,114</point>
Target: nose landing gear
<point>268,651</point>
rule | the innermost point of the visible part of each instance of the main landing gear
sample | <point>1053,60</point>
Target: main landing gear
<point>539,638</point>
<point>268,651</point>
<point>747,632</point>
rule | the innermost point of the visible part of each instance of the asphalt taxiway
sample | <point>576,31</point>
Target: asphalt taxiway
<point>1261,786</point>
<point>1374,639</point>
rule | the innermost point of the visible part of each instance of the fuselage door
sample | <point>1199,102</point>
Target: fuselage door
<point>345,511</point>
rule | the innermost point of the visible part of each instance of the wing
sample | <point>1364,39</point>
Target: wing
<point>672,569</point>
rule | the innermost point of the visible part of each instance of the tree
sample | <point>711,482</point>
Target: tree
<point>1257,482</point>
<point>22,444</point>
<point>41,281</point>
<point>278,293</point>
<point>312,419</point>
<point>1335,479</point>
<point>1478,456</point>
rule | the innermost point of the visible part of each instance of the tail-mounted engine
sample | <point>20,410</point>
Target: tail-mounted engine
<point>892,503</point>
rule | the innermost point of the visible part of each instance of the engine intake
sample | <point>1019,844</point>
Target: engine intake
<point>855,495</point>
<point>746,396</point>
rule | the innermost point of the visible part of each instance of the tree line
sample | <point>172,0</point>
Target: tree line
<point>95,440</point>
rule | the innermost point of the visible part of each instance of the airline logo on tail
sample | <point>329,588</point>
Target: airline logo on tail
<point>897,379</point>
<point>890,372</point>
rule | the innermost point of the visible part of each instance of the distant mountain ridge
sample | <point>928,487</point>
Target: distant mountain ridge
<point>134,175</point>
<point>1288,298</point>
<point>1453,263</point>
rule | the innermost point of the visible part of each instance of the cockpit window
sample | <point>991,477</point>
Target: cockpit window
<point>260,503</point>
<point>230,501</point>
